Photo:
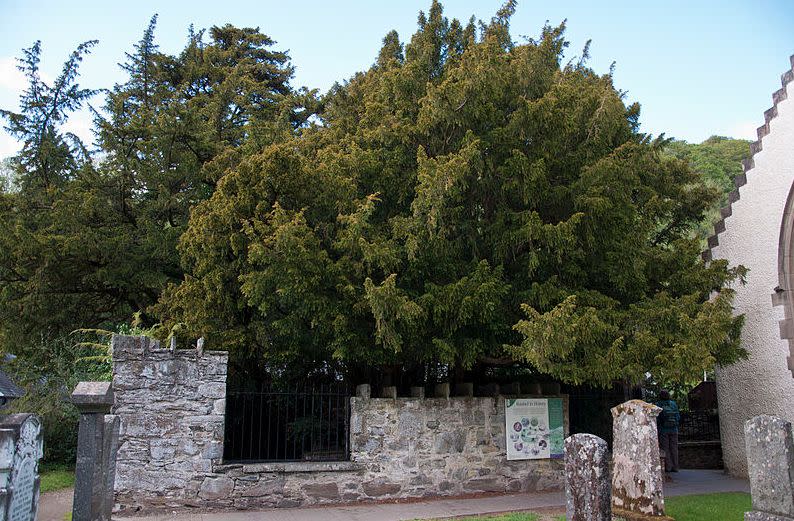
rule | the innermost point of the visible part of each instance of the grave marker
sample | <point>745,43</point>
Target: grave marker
<point>21,447</point>
<point>587,483</point>
<point>770,466</point>
<point>637,477</point>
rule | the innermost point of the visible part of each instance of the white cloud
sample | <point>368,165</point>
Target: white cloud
<point>80,123</point>
<point>744,130</point>
<point>11,78</point>
<point>8,146</point>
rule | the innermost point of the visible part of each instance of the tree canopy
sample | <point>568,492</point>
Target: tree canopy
<point>88,237</point>
<point>467,200</point>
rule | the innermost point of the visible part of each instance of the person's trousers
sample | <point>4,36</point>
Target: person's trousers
<point>668,442</point>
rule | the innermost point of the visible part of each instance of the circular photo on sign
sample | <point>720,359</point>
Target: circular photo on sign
<point>543,444</point>
<point>517,427</point>
<point>524,421</point>
<point>534,422</point>
<point>514,437</point>
<point>519,446</point>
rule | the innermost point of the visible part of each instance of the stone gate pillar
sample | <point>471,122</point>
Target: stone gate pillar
<point>97,442</point>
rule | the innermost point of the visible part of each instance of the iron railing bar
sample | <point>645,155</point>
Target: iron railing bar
<point>328,437</point>
<point>269,417</point>
<point>259,437</point>
<point>311,427</point>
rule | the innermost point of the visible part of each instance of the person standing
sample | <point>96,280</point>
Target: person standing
<point>668,430</point>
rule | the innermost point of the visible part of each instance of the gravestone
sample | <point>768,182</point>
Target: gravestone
<point>770,466</point>
<point>97,443</point>
<point>21,447</point>
<point>587,484</point>
<point>637,477</point>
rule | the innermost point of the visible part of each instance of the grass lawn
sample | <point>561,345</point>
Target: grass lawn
<point>729,506</point>
<point>56,477</point>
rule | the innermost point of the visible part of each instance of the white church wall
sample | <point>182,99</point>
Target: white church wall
<point>763,384</point>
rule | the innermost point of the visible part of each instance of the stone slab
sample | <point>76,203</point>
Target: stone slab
<point>93,396</point>
<point>637,477</point>
<point>764,516</point>
<point>588,487</point>
<point>770,464</point>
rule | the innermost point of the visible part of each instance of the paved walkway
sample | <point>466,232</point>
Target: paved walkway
<point>684,482</point>
<point>53,506</point>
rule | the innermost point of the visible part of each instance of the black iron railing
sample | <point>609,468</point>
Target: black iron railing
<point>305,423</point>
<point>699,426</point>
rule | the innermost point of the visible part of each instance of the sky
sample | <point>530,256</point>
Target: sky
<point>698,67</point>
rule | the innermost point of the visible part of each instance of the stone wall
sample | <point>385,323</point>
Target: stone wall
<point>171,406</point>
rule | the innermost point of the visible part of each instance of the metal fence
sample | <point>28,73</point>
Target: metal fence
<point>699,426</point>
<point>304,423</point>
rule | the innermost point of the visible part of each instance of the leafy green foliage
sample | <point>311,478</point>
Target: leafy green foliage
<point>718,160</point>
<point>48,377</point>
<point>465,199</point>
<point>85,242</point>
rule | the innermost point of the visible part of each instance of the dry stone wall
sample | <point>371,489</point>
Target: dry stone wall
<point>171,405</point>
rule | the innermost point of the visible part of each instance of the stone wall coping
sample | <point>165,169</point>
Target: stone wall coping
<point>192,353</point>
<point>289,467</point>
<point>444,400</point>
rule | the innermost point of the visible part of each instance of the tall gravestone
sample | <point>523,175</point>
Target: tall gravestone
<point>97,443</point>
<point>587,484</point>
<point>637,477</point>
<point>21,447</point>
<point>770,466</point>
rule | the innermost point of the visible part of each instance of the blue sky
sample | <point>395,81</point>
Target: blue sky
<point>697,67</point>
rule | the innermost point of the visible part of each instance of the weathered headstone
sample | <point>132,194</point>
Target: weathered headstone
<point>770,466</point>
<point>97,443</point>
<point>637,477</point>
<point>587,483</point>
<point>21,447</point>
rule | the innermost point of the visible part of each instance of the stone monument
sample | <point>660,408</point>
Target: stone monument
<point>637,476</point>
<point>21,447</point>
<point>770,465</point>
<point>587,484</point>
<point>97,443</point>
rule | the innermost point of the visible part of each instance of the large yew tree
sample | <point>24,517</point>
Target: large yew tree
<point>466,199</point>
<point>88,235</point>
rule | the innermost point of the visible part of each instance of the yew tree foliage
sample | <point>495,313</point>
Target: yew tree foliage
<point>466,199</point>
<point>88,237</point>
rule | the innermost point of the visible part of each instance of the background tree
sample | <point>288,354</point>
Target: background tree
<point>718,160</point>
<point>466,199</point>
<point>88,239</point>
